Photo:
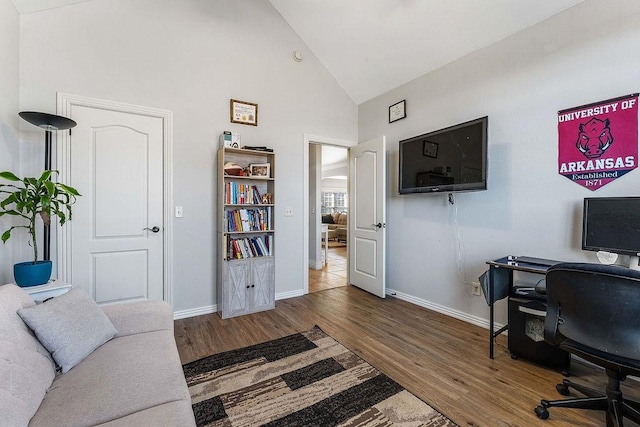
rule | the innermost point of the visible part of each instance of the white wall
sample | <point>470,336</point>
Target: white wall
<point>585,54</point>
<point>9,102</point>
<point>191,57</point>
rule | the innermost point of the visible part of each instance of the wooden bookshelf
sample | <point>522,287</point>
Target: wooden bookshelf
<point>246,235</point>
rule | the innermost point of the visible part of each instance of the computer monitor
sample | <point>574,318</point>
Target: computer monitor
<point>612,224</point>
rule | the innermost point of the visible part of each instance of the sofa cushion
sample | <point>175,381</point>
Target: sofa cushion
<point>340,218</point>
<point>140,317</point>
<point>26,368</point>
<point>126,375</point>
<point>172,414</point>
<point>70,326</point>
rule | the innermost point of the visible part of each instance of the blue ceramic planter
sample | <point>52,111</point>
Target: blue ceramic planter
<point>30,274</point>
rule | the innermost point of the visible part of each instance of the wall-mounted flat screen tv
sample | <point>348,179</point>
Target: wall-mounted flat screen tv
<point>447,160</point>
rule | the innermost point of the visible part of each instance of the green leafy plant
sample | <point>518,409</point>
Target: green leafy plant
<point>29,198</point>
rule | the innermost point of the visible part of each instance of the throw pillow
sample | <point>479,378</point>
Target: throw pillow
<point>70,326</point>
<point>327,219</point>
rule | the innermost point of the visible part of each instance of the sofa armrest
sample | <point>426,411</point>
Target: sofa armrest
<point>140,317</point>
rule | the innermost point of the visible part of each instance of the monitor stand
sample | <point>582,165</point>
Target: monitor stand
<point>633,262</point>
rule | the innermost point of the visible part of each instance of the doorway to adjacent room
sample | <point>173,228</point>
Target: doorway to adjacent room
<point>328,202</point>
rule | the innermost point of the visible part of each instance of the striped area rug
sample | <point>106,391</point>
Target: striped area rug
<point>305,379</point>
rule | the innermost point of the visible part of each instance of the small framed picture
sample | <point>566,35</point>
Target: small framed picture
<point>398,111</point>
<point>430,149</point>
<point>245,113</point>
<point>260,170</point>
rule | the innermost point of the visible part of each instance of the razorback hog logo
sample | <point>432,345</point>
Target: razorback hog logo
<point>594,138</point>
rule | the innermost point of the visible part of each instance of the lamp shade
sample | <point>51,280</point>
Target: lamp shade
<point>47,121</point>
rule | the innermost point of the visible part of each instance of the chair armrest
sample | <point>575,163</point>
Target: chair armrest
<point>140,317</point>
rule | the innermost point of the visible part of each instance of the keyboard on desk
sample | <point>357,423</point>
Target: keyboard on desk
<point>532,260</point>
<point>528,292</point>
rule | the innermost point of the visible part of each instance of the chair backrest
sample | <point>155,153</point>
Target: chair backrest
<point>594,305</point>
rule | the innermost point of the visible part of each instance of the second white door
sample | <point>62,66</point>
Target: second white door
<point>367,227</point>
<point>116,163</point>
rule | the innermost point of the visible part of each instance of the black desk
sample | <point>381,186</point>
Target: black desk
<point>512,263</point>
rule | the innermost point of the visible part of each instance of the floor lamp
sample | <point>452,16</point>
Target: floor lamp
<point>50,123</point>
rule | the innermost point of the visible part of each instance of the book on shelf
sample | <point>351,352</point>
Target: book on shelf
<point>241,250</point>
<point>252,245</point>
<point>245,220</point>
<point>248,247</point>
<point>263,247</point>
<point>257,148</point>
<point>244,217</point>
<point>242,194</point>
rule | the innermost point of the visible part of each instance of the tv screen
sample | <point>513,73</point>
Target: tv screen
<point>611,224</point>
<point>446,160</point>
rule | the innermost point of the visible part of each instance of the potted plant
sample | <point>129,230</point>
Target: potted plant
<point>27,199</point>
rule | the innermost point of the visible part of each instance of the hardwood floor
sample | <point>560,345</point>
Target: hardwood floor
<point>333,273</point>
<point>442,360</point>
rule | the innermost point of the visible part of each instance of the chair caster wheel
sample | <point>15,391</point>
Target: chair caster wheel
<point>541,412</point>
<point>563,389</point>
<point>565,373</point>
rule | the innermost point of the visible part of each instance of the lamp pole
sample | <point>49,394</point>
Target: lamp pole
<point>48,122</point>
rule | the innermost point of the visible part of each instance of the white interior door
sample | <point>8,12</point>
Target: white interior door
<point>367,198</point>
<point>116,163</point>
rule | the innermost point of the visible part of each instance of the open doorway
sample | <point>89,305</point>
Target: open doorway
<point>328,222</point>
<point>366,168</point>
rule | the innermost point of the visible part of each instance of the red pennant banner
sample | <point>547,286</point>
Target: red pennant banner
<point>598,143</point>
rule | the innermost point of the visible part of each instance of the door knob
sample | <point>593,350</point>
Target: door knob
<point>155,229</point>
<point>378,225</point>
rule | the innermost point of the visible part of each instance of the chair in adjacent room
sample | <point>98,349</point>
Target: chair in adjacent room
<point>593,311</point>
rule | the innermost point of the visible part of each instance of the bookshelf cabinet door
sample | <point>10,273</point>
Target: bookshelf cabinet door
<point>237,279</point>
<point>263,286</point>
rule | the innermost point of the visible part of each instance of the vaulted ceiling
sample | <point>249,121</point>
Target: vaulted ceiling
<point>373,46</point>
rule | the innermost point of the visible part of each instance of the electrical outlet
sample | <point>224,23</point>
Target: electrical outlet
<point>476,288</point>
<point>288,211</point>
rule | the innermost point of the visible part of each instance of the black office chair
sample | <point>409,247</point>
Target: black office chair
<point>593,311</point>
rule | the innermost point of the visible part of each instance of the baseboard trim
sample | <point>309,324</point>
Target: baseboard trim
<point>316,265</point>
<point>192,312</point>
<point>290,294</point>
<point>208,309</point>
<point>466,317</point>
<point>474,320</point>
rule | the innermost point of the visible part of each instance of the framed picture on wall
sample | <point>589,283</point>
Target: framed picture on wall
<point>244,113</point>
<point>398,111</point>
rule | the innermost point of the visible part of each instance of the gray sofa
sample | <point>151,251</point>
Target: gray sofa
<point>337,225</point>
<point>134,379</point>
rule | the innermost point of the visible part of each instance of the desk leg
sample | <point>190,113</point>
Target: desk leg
<point>492,332</point>
<point>491,302</point>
